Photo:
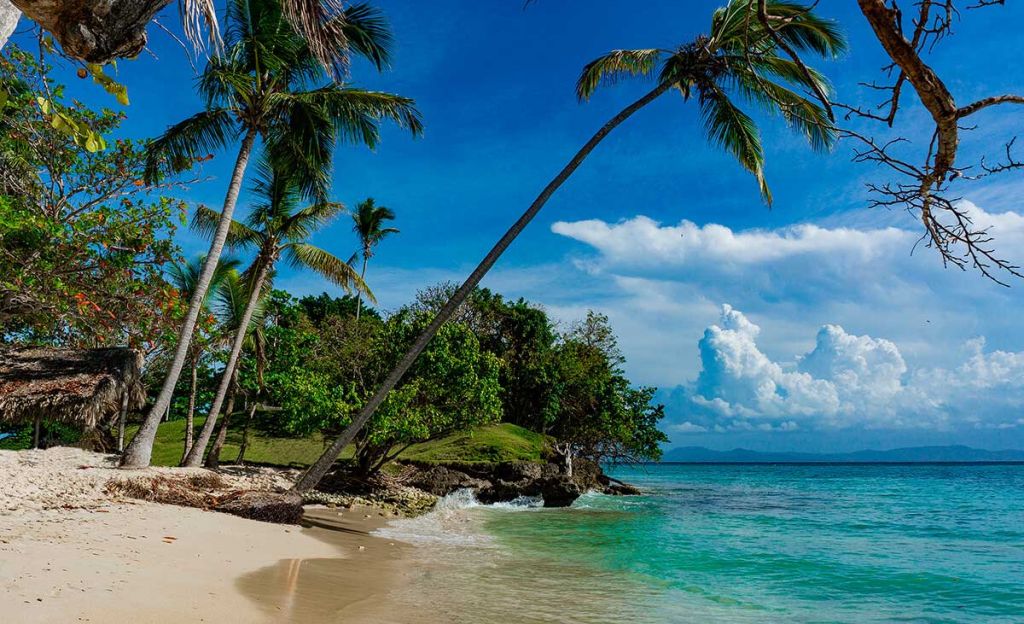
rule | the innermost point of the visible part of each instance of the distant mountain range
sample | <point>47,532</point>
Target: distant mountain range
<point>699,454</point>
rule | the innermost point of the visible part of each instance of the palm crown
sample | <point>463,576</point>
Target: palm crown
<point>263,83</point>
<point>368,224</point>
<point>739,56</point>
<point>279,225</point>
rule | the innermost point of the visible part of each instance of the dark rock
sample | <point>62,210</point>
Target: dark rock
<point>518,471</point>
<point>560,491</point>
<point>440,481</point>
<point>622,489</point>
<point>281,508</point>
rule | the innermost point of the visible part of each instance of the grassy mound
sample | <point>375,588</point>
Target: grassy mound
<point>493,443</point>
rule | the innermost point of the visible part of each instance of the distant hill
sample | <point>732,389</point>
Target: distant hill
<point>699,454</point>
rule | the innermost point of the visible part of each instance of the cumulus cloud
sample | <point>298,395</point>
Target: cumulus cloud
<point>844,381</point>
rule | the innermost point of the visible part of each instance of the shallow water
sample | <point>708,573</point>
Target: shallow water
<point>782,543</point>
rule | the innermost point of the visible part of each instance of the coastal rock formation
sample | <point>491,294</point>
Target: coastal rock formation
<point>507,481</point>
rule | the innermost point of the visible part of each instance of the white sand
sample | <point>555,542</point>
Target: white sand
<point>70,553</point>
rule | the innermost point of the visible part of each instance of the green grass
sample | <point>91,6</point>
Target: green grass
<point>492,443</point>
<point>298,452</point>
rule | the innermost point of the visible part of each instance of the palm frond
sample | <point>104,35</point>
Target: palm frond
<point>803,115</point>
<point>732,129</point>
<point>303,223</point>
<point>368,33</point>
<point>304,255</point>
<point>614,66</point>
<point>178,148</point>
<point>205,221</point>
<point>801,27</point>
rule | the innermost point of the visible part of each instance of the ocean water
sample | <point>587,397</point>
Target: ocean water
<point>734,543</point>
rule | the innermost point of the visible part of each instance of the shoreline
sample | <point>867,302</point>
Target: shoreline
<point>70,553</point>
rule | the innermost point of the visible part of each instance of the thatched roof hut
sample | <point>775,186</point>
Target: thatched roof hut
<point>85,387</point>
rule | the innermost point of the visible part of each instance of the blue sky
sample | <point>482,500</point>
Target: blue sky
<point>857,343</point>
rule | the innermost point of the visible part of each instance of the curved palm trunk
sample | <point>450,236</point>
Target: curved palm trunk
<point>359,294</point>
<point>195,454</point>
<point>190,418</point>
<point>213,457</point>
<point>140,450</point>
<point>316,472</point>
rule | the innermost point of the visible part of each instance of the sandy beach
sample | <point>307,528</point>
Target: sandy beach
<point>69,552</point>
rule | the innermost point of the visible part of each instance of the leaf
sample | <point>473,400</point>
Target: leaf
<point>109,85</point>
<point>4,96</point>
<point>44,105</point>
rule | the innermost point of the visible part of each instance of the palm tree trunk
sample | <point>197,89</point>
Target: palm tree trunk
<point>140,451</point>
<point>244,446</point>
<point>195,454</point>
<point>190,418</point>
<point>122,416</point>
<point>213,457</point>
<point>316,472</point>
<point>359,293</point>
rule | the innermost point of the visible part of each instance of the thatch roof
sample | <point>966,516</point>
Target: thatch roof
<point>80,386</point>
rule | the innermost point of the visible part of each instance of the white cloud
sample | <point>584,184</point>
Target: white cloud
<point>844,381</point>
<point>641,241</point>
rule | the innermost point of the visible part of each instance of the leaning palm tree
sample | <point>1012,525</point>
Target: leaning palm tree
<point>184,277</point>
<point>278,225</point>
<point>262,86</point>
<point>740,57</point>
<point>368,224</point>
<point>241,305</point>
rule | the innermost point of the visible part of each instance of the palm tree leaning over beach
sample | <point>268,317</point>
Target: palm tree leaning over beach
<point>368,224</point>
<point>278,225</point>
<point>184,277</point>
<point>739,57</point>
<point>261,87</point>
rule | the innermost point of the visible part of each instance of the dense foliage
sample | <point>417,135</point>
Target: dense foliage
<point>83,241</point>
<point>500,360</point>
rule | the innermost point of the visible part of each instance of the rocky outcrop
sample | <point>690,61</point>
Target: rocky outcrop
<point>441,480</point>
<point>507,481</point>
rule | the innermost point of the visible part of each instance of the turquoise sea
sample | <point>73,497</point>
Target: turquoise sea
<point>735,543</point>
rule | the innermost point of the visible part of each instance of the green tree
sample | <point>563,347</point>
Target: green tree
<point>262,87</point>
<point>739,57</point>
<point>278,225</point>
<point>601,417</point>
<point>368,224</point>
<point>83,241</point>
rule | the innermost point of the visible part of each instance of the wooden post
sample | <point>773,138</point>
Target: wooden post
<point>121,417</point>
<point>35,435</point>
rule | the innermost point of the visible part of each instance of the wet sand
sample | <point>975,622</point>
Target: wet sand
<point>352,587</point>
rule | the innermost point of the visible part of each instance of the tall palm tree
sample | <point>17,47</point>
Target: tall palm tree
<point>368,224</point>
<point>262,86</point>
<point>278,225</point>
<point>241,306</point>
<point>739,57</point>
<point>184,277</point>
